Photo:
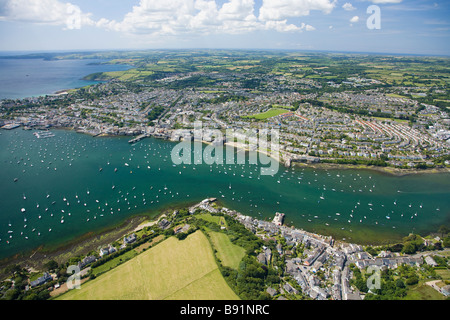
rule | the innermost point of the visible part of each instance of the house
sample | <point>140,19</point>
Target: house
<point>289,289</point>
<point>106,251</point>
<point>261,258</point>
<point>41,280</point>
<point>430,261</point>
<point>129,239</point>
<point>164,224</point>
<point>271,291</point>
<point>86,261</point>
<point>279,249</point>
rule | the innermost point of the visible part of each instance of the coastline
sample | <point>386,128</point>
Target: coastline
<point>391,171</point>
<point>93,240</point>
<point>80,245</point>
<point>396,172</point>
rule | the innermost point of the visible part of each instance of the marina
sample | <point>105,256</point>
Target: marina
<point>62,194</point>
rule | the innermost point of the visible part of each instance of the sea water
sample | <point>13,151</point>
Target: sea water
<point>21,78</point>
<point>56,189</point>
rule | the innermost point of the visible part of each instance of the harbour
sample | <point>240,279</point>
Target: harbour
<point>73,184</point>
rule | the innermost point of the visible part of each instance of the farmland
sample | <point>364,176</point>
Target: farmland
<point>154,274</point>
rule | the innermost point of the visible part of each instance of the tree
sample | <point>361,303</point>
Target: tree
<point>51,265</point>
<point>371,251</point>
<point>412,280</point>
<point>443,230</point>
<point>400,284</point>
<point>12,269</point>
<point>409,248</point>
<point>446,242</point>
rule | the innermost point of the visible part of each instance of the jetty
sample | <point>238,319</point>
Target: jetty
<point>278,219</point>
<point>10,126</point>
<point>139,138</point>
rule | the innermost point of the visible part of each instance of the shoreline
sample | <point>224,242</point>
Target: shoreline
<point>394,172</point>
<point>83,244</point>
<point>88,241</point>
<point>93,240</point>
<point>391,171</point>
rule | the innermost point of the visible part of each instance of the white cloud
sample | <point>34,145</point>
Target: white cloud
<point>385,1</point>
<point>348,7</point>
<point>174,17</point>
<point>307,27</point>
<point>237,16</point>
<point>354,19</point>
<point>155,18</point>
<point>52,12</point>
<point>282,9</point>
<point>281,26</point>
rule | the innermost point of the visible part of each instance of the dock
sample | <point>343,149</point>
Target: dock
<point>139,138</point>
<point>10,126</point>
<point>278,219</point>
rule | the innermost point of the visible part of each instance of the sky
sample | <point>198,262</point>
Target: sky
<point>379,26</point>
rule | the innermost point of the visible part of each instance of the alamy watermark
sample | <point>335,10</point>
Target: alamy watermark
<point>374,20</point>
<point>374,281</point>
<point>73,282</point>
<point>264,143</point>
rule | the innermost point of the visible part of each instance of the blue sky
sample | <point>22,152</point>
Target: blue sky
<point>411,27</point>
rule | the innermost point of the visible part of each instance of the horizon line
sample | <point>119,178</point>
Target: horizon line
<point>49,51</point>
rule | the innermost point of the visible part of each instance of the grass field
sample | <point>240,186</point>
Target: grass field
<point>171,270</point>
<point>114,262</point>
<point>229,253</point>
<point>423,292</point>
<point>393,95</point>
<point>268,114</point>
<point>210,218</point>
<point>444,273</point>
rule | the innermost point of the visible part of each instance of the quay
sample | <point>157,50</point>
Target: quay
<point>278,219</point>
<point>139,138</point>
<point>10,126</point>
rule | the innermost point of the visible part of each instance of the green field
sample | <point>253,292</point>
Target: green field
<point>210,218</point>
<point>423,292</point>
<point>268,114</point>
<point>114,262</point>
<point>394,95</point>
<point>173,269</point>
<point>229,254</point>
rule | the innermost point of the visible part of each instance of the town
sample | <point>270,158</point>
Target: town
<point>375,121</point>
